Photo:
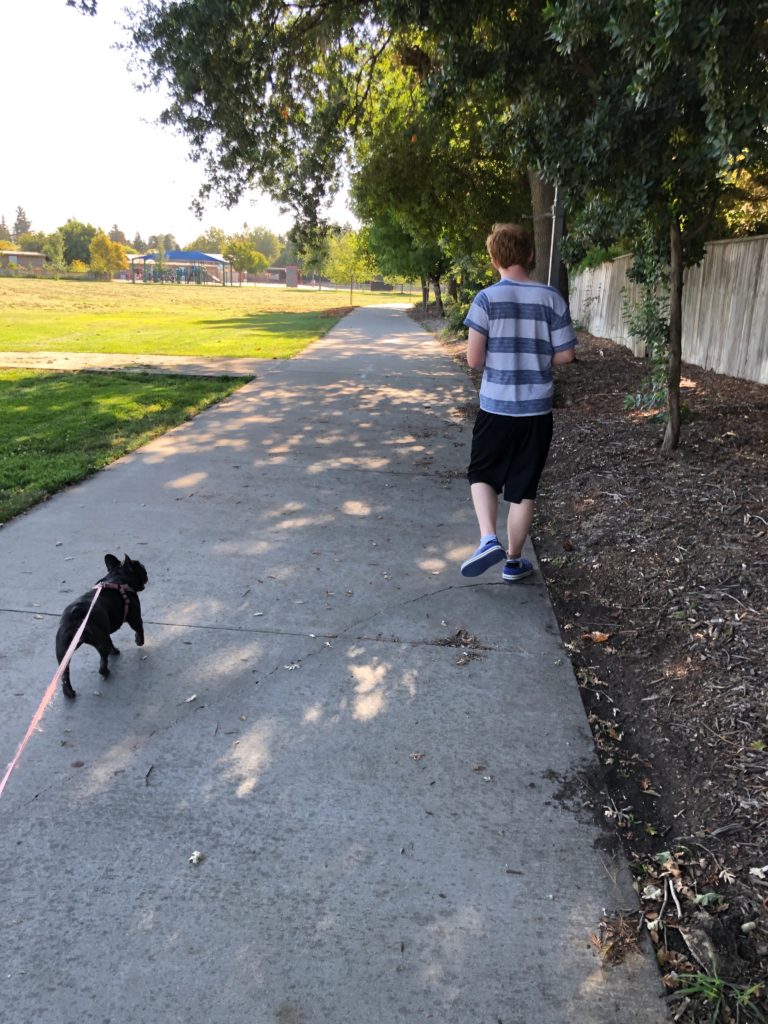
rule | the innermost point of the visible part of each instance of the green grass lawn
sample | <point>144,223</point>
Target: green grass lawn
<point>57,428</point>
<point>256,322</point>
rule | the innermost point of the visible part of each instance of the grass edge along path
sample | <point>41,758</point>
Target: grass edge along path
<point>56,429</point>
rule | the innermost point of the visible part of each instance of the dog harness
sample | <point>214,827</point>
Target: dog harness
<point>125,590</point>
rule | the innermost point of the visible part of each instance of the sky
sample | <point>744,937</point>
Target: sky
<point>78,140</point>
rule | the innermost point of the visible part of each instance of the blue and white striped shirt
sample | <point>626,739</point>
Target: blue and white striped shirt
<point>524,324</point>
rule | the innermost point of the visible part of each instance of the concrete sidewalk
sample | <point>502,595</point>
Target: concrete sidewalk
<point>380,761</point>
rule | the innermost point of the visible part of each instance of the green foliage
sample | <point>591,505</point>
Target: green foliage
<point>164,242</point>
<point>56,429</point>
<point>648,320</point>
<point>264,241</point>
<point>5,234</point>
<point>239,250</point>
<point>213,240</point>
<point>54,252</point>
<point>348,258</point>
<point>744,204</point>
<point>600,254</point>
<point>31,241</point>
<point>77,240</point>
<point>455,313</point>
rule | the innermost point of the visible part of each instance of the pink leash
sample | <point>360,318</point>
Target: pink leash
<point>48,695</point>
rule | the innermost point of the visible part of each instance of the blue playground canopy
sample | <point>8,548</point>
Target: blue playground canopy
<point>184,266</point>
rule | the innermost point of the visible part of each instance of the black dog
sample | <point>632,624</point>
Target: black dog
<point>117,603</point>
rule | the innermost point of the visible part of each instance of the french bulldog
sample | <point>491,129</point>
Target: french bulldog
<point>117,603</point>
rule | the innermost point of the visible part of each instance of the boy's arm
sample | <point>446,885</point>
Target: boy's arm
<point>565,355</point>
<point>476,344</point>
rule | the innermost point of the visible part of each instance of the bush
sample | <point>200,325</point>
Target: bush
<point>455,311</point>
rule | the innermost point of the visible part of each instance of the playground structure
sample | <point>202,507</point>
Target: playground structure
<point>178,266</point>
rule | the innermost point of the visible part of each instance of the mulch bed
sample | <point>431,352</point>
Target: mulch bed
<point>658,572</point>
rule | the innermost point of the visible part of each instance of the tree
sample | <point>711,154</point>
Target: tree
<point>138,243</point>
<point>164,242</point>
<point>32,241</point>
<point>264,91</point>
<point>5,234</point>
<point>398,254</point>
<point>116,235</point>
<point>348,260</point>
<point>264,241</point>
<point>444,215</point>
<point>212,240</point>
<point>668,96</point>
<point>77,239</point>
<point>243,257</point>
<point>54,252</point>
<point>22,223</point>
<point>106,257</point>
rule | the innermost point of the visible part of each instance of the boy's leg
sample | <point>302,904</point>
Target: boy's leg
<point>486,502</point>
<point>518,525</point>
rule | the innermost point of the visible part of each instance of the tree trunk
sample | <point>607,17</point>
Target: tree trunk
<point>672,434</point>
<point>425,292</point>
<point>453,287</point>
<point>542,201</point>
<point>439,311</point>
<point>542,198</point>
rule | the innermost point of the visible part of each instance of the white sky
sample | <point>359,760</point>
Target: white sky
<point>78,139</point>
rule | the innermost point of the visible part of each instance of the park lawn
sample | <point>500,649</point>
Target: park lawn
<point>58,428</point>
<point>109,317</point>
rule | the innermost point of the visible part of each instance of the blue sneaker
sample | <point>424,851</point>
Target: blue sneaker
<point>516,569</point>
<point>487,554</point>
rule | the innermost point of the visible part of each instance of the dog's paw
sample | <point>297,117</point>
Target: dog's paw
<point>103,672</point>
<point>68,691</point>
<point>114,651</point>
<point>139,639</point>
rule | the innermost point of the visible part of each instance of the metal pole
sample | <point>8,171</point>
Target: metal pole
<point>553,276</point>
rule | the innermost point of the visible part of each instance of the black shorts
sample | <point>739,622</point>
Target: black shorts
<point>509,453</point>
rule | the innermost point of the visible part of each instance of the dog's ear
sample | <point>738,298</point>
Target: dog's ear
<point>111,562</point>
<point>127,563</point>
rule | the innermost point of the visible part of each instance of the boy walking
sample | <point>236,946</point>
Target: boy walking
<point>518,330</point>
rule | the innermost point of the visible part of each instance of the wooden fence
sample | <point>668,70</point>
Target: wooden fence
<point>725,307</point>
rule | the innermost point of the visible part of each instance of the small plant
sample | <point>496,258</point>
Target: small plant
<point>725,997</point>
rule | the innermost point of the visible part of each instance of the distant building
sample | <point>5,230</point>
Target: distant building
<point>14,258</point>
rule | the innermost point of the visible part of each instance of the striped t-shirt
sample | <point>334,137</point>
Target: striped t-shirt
<point>525,324</point>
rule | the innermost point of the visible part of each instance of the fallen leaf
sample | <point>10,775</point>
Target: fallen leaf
<point>77,764</point>
<point>294,665</point>
<point>197,857</point>
<point>417,756</point>
<point>596,636</point>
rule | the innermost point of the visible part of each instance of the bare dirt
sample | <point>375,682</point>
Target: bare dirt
<point>658,573</point>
